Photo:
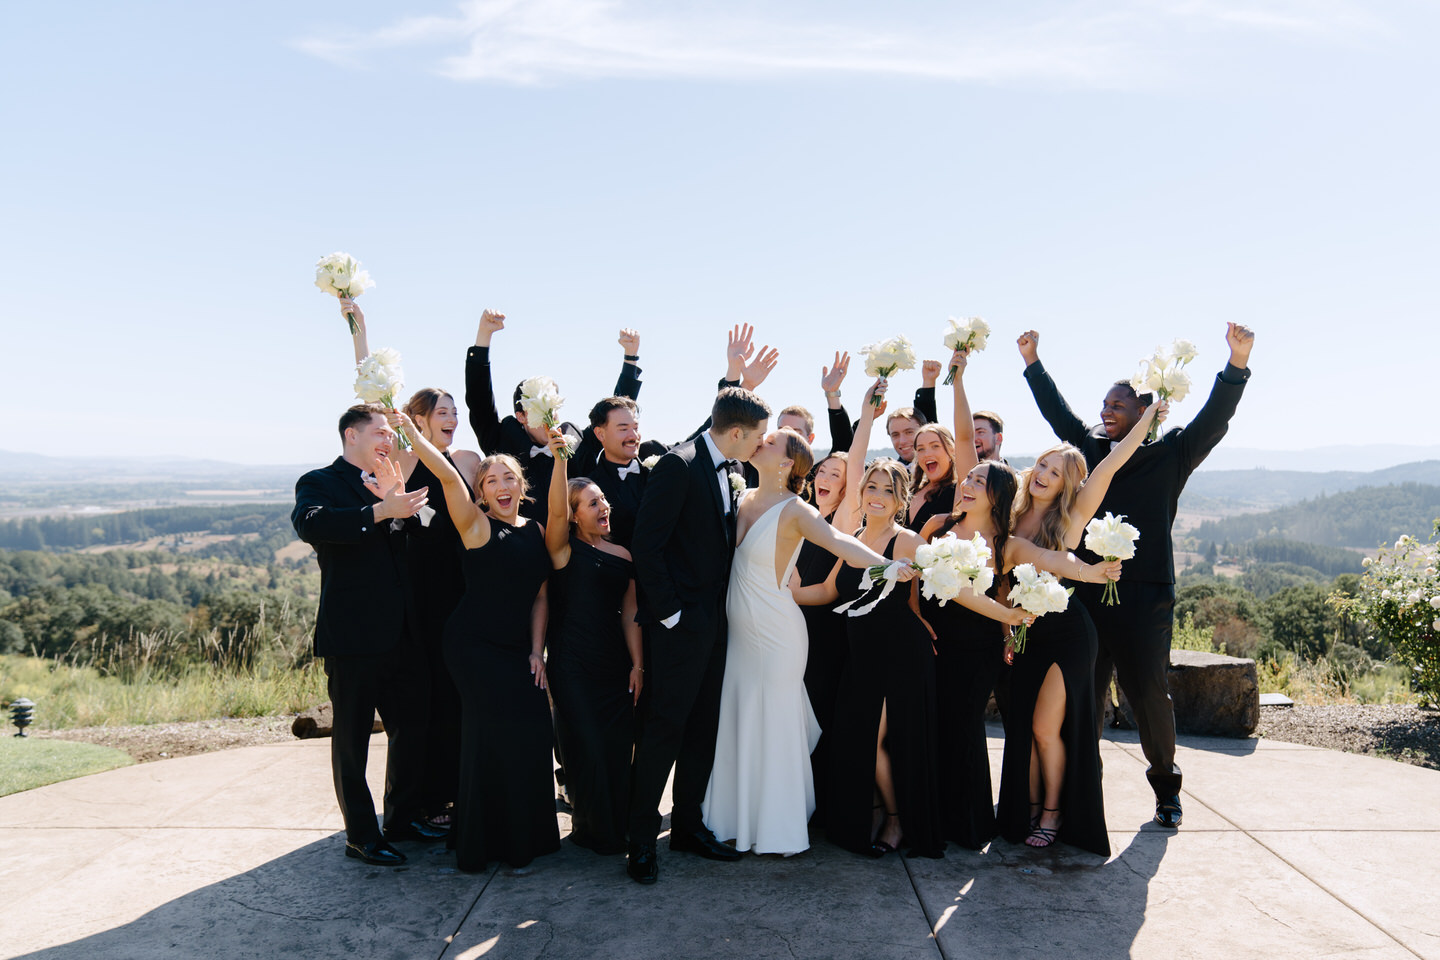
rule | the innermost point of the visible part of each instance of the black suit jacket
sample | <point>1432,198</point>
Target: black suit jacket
<point>362,563</point>
<point>683,538</point>
<point>1147,489</point>
<point>510,436</point>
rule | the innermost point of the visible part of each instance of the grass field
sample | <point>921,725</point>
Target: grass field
<point>26,763</point>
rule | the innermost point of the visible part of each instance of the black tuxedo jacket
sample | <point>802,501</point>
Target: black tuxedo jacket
<point>624,495</point>
<point>509,436</point>
<point>362,563</point>
<point>683,538</point>
<point>1147,489</point>
<point>842,428</point>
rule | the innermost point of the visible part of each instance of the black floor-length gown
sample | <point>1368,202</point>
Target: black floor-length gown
<point>891,664</point>
<point>829,649</point>
<point>437,584</point>
<point>506,804</point>
<point>969,648</point>
<point>589,673</point>
<point>1067,639</point>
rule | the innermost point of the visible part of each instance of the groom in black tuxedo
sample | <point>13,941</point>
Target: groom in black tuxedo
<point>353,513</point>
<point>683,543</point>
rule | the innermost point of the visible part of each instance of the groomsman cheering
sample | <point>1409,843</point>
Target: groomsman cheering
<point>1135,633</point>
<point>352,512</point>
<point>515,434</point>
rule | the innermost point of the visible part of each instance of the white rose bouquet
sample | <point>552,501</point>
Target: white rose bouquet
<point>540,399</point>
<point>1163,374</point>
<point>1036,592</point>
<point>947,567</point>
<point>972,333</point>
<point>340,276</point>
<point>1112,539</point>
<point>378,378</point>
<point>884,358</point>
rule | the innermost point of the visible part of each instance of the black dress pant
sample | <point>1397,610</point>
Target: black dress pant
<point>1135,642</point>
<point>680,724</point>
<point>395,683</point>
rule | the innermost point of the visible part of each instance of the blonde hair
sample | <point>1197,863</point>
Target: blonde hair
<point>498,460</point>
<point>896,473</point>
<point>1057,516</point>
<point>947,440</point>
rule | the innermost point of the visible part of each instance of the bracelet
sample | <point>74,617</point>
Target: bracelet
<point>631,359</point>
<point>832,394</point>
<point>636,666</point>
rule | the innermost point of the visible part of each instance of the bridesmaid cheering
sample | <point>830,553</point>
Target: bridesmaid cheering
<point>494,647</point>
<point>595,664</point>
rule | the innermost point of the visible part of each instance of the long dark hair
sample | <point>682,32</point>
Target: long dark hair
<point>1002,484</point>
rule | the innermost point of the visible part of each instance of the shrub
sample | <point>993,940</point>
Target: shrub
<point>1399,595</point>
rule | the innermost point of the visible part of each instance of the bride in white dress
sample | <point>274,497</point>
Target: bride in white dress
<point>761,794</point>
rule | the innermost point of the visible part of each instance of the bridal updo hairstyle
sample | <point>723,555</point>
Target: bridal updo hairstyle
<point>738,407</point>
<point>898,477</point>
<point>1057,516</point>
<point>490,463</point>
<point>801,460</point>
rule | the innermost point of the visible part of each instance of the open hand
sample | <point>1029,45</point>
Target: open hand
<point>758,369</point>
<point>738,349</point>
<point>831,377</point>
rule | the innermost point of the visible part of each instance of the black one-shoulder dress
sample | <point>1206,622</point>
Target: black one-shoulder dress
<point>506,804</point>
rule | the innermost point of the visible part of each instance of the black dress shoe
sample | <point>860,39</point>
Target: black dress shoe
<point>704,843</point>
<point>416,830</point>
<point>378,852</point>
<point>643,865</point>
<point>1167,811</point>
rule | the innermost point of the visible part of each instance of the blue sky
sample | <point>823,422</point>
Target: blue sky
<point>1114,175</point>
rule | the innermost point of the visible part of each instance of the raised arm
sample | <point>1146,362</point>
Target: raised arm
<point>1092,492</point>
<point>557,519</point>
<point>965,457</point>
<point>925,393</point>
<point>841,433</point>
<point>628,384</point>
<point>847,515</point>
<point>1062,563</point>
<point>1053,407</point>
<point>469,520</point>
<point>1213,421</point>
<point>479,390</point>
<point>359,338</point>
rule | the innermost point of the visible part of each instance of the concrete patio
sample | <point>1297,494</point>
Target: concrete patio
<point>1286,851</point>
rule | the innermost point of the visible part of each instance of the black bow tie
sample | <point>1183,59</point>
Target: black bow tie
<point>727,464</point>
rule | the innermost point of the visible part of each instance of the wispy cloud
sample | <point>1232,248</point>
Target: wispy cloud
<point>1090,43</point>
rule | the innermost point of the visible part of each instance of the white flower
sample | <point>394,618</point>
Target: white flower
<point>340,276</point>
<point>379,377</point>
<point>649,462</point>
<point>1038,591</point>
<point>1435,626</point>
<point>1367,561</point>
<point>884,358</point>
<point>1111,538</point>
<point>1413,596</point>
<point>1184,351</point>
<point>1175,384</point>
<point>540,400</point>
<point>1384,594</point>
<point>737,484</point>
<point>925,555</point>
<point>1435,602</point>
<point>971,332</point>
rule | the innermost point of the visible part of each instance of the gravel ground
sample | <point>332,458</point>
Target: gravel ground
<point>161,741</point>
<point>1404,733</point>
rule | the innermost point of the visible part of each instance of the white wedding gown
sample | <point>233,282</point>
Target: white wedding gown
<point>761,794</point>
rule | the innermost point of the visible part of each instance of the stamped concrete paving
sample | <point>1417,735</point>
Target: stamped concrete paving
<point>1286,851</point>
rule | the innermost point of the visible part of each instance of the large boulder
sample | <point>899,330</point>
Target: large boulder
<point>1214,696</point>
<point>319,720</point>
